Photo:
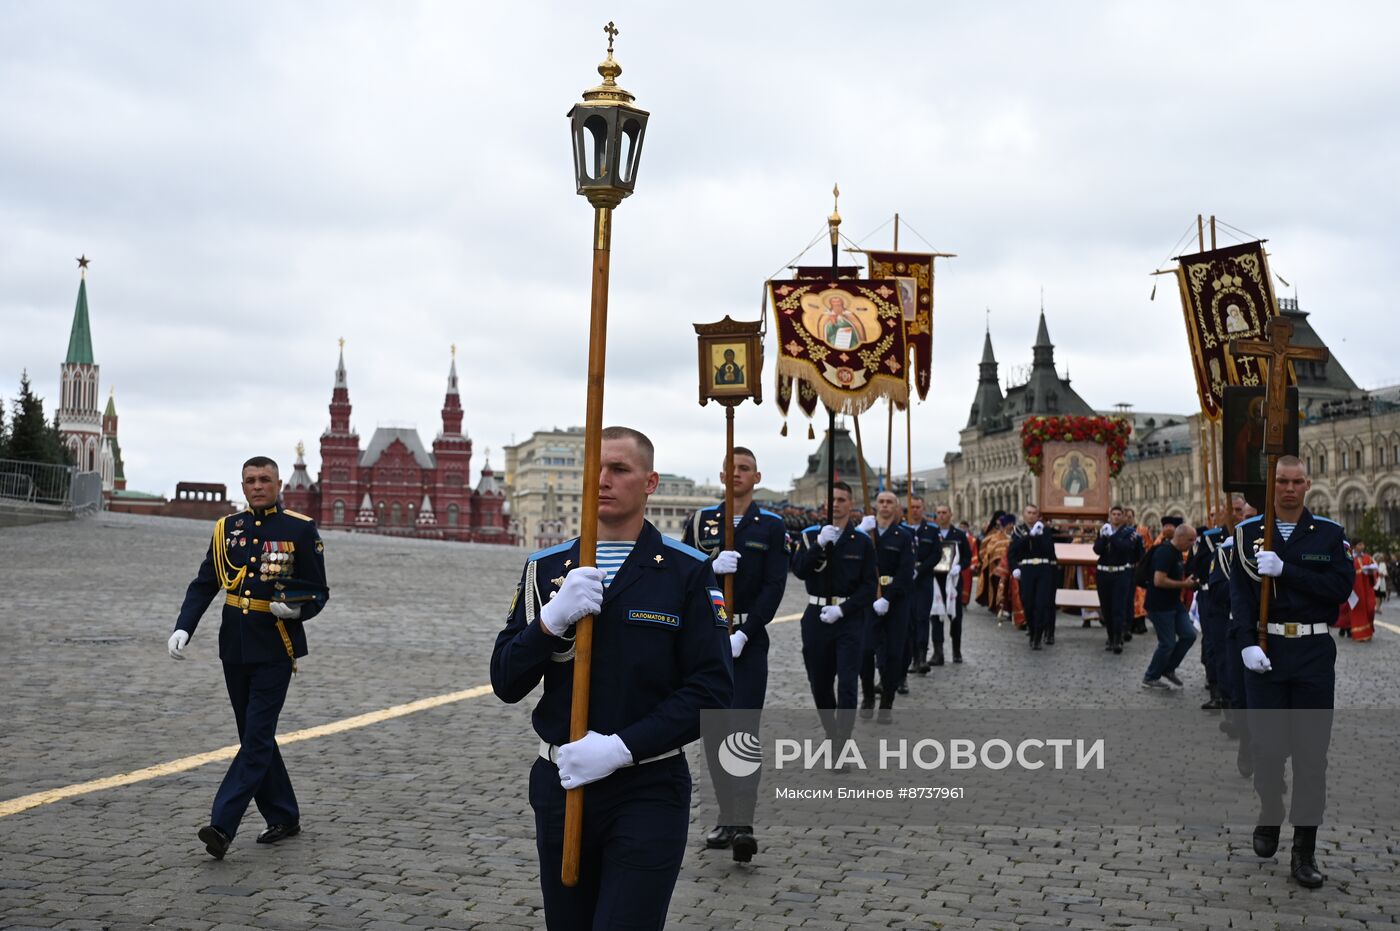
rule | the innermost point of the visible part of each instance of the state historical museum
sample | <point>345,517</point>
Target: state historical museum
<point>396,486</point>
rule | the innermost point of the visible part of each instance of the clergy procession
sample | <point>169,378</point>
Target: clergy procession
<point>1093,669</point>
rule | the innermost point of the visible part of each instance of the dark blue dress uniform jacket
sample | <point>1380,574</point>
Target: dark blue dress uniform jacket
<point>1025,546</point>
<point>850,574</point>
<point>761,541</point>
<point>1317,573</point>
<point>1123,547</point>
<point>249,539</point>
<point>928,548</point>
<point>894,558</point>
<point>661,650</point>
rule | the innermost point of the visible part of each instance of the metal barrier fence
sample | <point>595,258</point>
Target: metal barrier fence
<point>41,483</point>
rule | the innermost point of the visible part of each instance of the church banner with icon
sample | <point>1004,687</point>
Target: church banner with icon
<point>845,339</point>
<point>1226,294</point>
<point>914,272</point>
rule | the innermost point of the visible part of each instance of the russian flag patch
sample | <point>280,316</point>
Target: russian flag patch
<point>717,603</point>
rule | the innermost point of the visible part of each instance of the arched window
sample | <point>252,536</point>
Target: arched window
<point>1390,510</point>
<point>452,515</point>
<point>338,512</point>
<point>1353,510</point>
<point>396,515</point>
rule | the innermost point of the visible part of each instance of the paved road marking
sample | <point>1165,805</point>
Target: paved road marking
<point>1390,627</point>
<point>185,763</point>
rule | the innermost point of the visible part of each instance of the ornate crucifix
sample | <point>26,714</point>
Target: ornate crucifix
<point>1276,352</point>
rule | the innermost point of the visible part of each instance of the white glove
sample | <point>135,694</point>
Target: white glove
<point>828,534</point>
<point>1038,529</point>
<point>881,606</point>
<point>1194,613</point>
<point>831,614</point>
<point>1106,530</point>
<point>1255,659</point>
<point>867,523</point>
<point>177,643</point>
<point>726,562</point>
<point>1016,574</point>
<point>737,641</point>
<point>580,595</point>
<point>1270,563</point>
<point>285,611</point>
<point>595,756</point>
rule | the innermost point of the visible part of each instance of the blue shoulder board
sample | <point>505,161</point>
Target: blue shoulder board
<point>813,527</point>
<point>1228,541</point>
<point>1328,520</point>
<point>713,507</point>
<point>688,550</point>
<point>770,513</point>
<point>1250,520</point>
<point>552,550</point>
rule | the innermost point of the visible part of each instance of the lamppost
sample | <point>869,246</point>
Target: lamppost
<point>607,142</point>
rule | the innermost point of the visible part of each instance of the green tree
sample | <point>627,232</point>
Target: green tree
<point>31,437</point>
<point>1372,533</point>
<point>4,433</point>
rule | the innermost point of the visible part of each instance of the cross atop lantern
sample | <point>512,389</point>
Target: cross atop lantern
<point>608,132</point>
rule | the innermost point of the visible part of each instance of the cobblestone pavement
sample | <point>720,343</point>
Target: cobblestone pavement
<point>422,821</point>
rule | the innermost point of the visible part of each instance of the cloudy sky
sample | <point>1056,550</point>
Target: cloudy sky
<point>255,180</point>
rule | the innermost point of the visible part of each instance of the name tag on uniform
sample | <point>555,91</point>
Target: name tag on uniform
<point>756,545</point>
<point>654,617</point>
<point>1317,557</point>
<point>851,555</point>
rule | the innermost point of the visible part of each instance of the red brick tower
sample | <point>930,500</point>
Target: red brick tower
<point>340,458</point>
<point>452,453</point>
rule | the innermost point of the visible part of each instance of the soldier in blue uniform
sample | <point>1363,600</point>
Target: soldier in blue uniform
<point>661,655</point>
<point>927,551</point>
<point>887,621</point>
<point>1290,689</point>
<point>1119,548</point>
<point>759,565</point>
<point>1031,557</point>
<point>268,564</point>
<point>837,562</point>
<point>948,585</point>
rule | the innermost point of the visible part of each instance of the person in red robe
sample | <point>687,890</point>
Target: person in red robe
<point>1357,616</point>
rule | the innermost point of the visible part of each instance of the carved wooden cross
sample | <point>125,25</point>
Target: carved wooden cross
<point>1276,353</point>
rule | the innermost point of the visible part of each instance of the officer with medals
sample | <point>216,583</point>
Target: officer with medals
<point>927,551</point>
<point>759,564</point>
<point>1306,562</point>
<point>1119,548</point>
<point>947,584</point>
<point>837,562</point>
<point>1031,557</point>
<point>268,564</point>
<point>887,621</point>
<point>661,654</point>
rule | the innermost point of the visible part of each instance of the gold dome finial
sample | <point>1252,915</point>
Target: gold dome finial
<point>342,342</point>
<point>454,350</point>
<point>609,91</point>
<point>834,221</point>
<point>301,449</point>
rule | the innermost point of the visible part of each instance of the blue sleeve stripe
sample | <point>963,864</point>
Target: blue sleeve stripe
<point>552,550</point>
<point>688,550</point>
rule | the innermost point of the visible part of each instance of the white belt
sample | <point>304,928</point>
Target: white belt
<point>1113,568</point>
<point>1036,562</point>
<point>821,600</point>
<point>549,751</point>
<point>740,618</point>
<point>1296,630</point>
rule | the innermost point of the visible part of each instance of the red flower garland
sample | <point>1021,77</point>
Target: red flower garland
<point>1113,432</point>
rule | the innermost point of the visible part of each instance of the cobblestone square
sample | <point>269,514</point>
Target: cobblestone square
<point>421,820</point>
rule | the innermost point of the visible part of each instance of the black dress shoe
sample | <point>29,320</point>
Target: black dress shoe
<point>744,844</point>
<point>867,707</point>
<point>1108,646</point>
<point>1244,759</point>
<point>1050,639</point>
<point>903,688</point>
<point>721,837</point>
<point>1127,635</point>
<point>276,832</point>
<point>1266,840</point>
<point>215,841</point>
<point>886,716</point>
<point>957,657</point>
<point>1305,871</point>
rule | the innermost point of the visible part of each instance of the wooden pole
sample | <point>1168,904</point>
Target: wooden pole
<point>889,442</point>
<point>1212,231</point>
<point>588,525</point>
<point>729,506</point>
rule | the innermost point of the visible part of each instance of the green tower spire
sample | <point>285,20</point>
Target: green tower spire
<point>80,339</point>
